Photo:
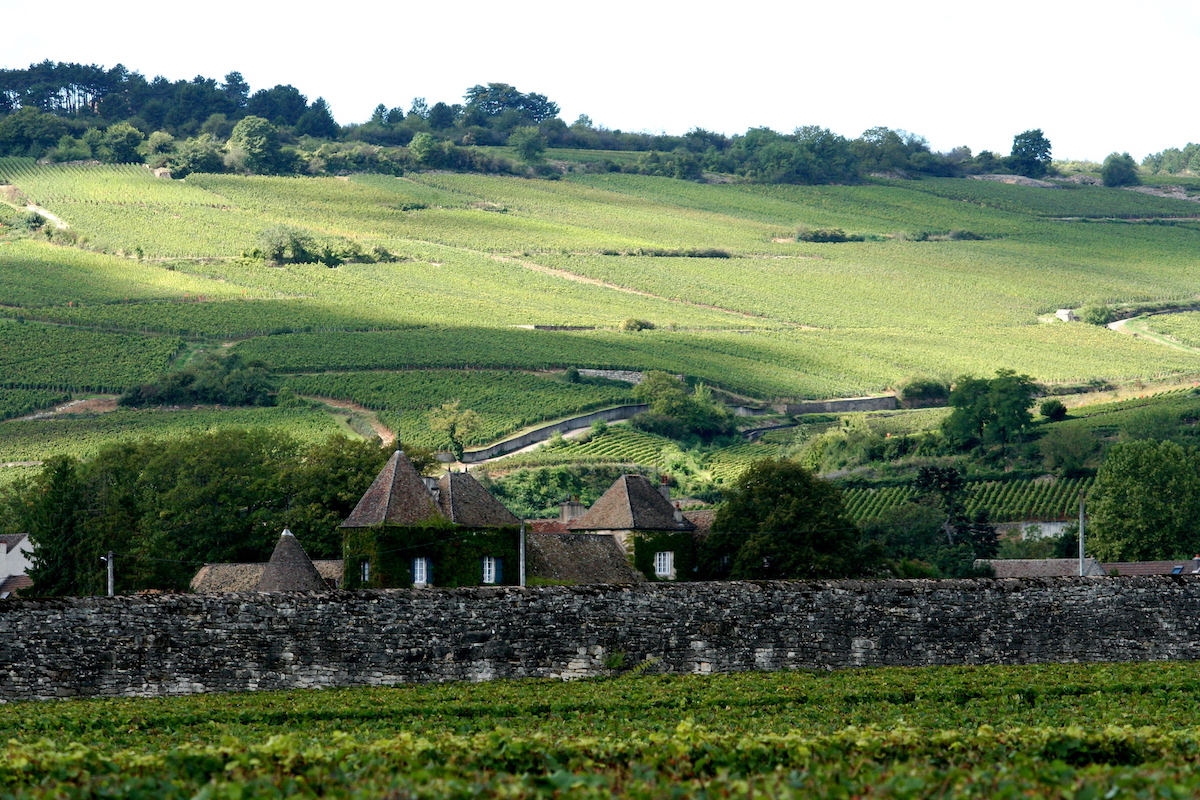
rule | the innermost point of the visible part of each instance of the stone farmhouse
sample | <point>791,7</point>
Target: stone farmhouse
<point>408,530</point>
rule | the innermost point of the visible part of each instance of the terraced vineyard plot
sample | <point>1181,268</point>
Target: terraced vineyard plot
<point>36,440</point>
<point>204,318</point>
<point>125,208</point>
<point>601,219</point>
<point>1005,501</point>
<point>878,210</point>
<point>35,356</point>
<point>18,402</point>
<point>619,445</point>
<point>728,463</point>
<point>35,274</point>
<point>1067,201</point>
<point>506,401</point>
<point>1184,327</point>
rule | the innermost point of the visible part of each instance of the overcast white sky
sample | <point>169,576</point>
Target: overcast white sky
<point>1096,77</point>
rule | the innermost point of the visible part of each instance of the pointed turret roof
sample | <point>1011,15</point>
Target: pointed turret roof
<point>464,500</point>
<point>398,496</point>
<point>632,503</point>
<point>289,569</point>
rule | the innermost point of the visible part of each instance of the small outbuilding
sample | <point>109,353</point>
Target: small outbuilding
<point>647,526</point>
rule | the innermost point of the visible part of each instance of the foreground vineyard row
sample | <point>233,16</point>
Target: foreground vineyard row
<point>982,732</point>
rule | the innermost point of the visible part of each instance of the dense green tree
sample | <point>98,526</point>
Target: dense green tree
<point>781,521</point>
<point>1067,448</point>
<point>455,422</point>
<point>990,411</point>
<point>29,132</point>
<point>236,89</point>
<point>529,143</point>
<point>1145,504</point>
<point>1120,169</point>
<point>1030,154</point>
<point>281,105</point>
<point>912,537</point>
<point>199,154</point>
<point>325,483</point>
<point>318,122</point>
<point>121,143</point>
<point>224,380</point>
<point>52,513</point>
<point>254,146</point>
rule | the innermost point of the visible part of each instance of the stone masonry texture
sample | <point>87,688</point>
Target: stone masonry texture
<point>181,644</point>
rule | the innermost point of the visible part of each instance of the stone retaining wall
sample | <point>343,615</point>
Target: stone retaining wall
<point>180,644</point>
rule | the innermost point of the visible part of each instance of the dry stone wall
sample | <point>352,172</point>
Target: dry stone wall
<point>180,644</point>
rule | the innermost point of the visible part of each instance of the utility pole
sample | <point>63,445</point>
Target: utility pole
<point>521,560</point>
<point>111,572</point>
<point>1081,533</point>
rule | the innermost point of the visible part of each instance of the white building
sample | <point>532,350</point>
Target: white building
<point>14,563</point>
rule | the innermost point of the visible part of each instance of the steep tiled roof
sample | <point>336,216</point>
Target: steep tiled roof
<point>11,540</point>
<point>398,496</point>
<point>290,569</point>
<point>545,526</point>
<point>702,518</point>
<point>1041,567</point>
<point>579,558</point>
<point>15,583</point>
<point>467,503</point>
<point>632,503</point>
<point>213,578</point>
<point>1185,566</point>
<point>216,578</point>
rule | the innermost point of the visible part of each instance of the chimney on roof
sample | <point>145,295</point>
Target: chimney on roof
<point>663,487</point>
<point>571,509</point>
<point>678,513</point>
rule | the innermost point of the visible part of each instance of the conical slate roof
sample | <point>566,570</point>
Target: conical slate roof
<point>464,500</point>
<point>397,497</point>
<point>289,569</point>
<point>632,503</point>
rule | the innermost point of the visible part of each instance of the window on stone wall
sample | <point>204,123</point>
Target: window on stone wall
<point>664,564</point>
<point>492,570</point>
<point>364,571</point>
<point>420,571</point>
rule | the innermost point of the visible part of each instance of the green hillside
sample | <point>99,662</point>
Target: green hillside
<point>149,264</point>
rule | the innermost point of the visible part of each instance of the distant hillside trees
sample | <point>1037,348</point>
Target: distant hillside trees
<point>166,507</point>
<point>1174,161</point>
<point>69,112</point>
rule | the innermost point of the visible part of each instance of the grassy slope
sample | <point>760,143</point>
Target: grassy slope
<point>481,254</point>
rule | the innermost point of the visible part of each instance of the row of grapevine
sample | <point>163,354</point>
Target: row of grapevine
<point>894,734</point>
<point>34,356</point>
<point>1005,501</point>
<point>39,439</point>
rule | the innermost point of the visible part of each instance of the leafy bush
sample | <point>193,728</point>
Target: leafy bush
<point>634,325</point>
<point>1053,410</point>
<point>922,391</point>
<point>826,236</point>
<point>1097,314</point>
